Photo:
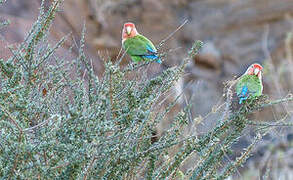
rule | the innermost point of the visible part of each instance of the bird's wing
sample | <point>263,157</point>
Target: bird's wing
<point>135,47</point>
<point>150,46</point>
<point>254,86</point>
<point>142,47</point>
<point>247,85</point>
<point>244,92</point>
<point>151,49</point>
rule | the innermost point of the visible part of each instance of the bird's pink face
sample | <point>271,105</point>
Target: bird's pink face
<point>129,31</point>
<point>254,69</point>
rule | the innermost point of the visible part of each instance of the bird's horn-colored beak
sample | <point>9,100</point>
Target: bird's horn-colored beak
<point>256,71</point>
<point>128,30</point>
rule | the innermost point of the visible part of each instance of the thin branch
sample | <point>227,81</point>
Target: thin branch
<point>266,124</point>
<point>11,117</point>
<point>279,101</point>
<point>37,126</point>
<point>171,34</point>
<point>89,168</point>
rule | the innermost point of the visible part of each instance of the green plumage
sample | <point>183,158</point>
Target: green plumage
<point>140,48</point>
<point>253,84</point>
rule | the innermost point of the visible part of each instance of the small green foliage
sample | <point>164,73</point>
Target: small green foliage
<point>4,23</point>
<point>195,48</point>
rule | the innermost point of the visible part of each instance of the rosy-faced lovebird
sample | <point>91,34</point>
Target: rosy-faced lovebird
<point>250,83</point>
<point>137,46</point>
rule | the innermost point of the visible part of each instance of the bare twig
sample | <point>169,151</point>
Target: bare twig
<point>171,34</point>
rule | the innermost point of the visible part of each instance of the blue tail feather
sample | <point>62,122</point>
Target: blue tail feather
<point>241,99</point>
<point>150,49</point>
<point>243,95</point>
<point>159,61</point>
<point>153,56</point>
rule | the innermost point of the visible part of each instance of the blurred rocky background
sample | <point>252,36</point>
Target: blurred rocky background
<point>235,32</point>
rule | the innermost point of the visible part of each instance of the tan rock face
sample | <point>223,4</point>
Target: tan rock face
<point>233,31</point>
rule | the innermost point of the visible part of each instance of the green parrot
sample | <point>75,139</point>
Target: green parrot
<point>250,83</point>
<point>137,46</point>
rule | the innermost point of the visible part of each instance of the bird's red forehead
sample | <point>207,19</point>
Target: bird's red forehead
<point>129,25</point>
<point>258,66</point>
